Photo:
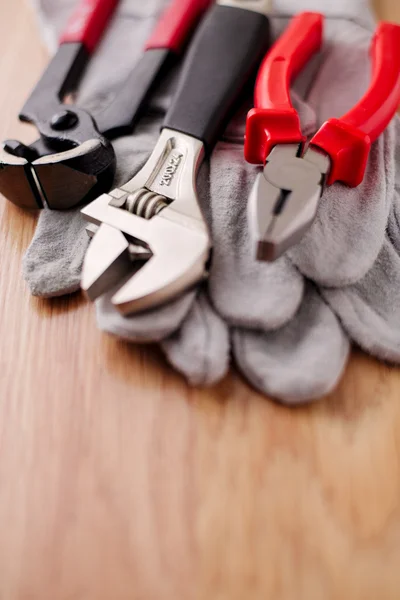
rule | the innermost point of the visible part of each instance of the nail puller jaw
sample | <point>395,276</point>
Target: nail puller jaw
<point>155,217</point>
<point>83,159</point>
<point>57,180</point>
<point>284,199</point>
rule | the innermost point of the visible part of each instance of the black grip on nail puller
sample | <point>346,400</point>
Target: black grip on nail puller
<point>225,52</point>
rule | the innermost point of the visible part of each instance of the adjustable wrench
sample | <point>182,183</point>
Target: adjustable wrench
<point>155,217</point>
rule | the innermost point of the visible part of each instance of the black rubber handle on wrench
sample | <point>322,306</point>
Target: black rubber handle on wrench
<point>167,41</point>
<point>225,52</point>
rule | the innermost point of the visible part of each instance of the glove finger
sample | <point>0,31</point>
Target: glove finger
<point>349,230</point>
<point>245,292</point>
<point>152,325</point>
<point>52,264</point>
<point>370,310</point>
<point>301,362</point>
<point>200,348</point>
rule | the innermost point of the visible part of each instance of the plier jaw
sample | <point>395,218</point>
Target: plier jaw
<point>285,198</point>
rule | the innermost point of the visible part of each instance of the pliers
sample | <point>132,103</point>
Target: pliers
<point>285,197</point>
<point>155,219</point>
<point>73,161</point>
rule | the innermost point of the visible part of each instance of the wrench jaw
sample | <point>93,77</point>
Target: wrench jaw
<point>284,200</point>
<point>107,261</point>
<point>155,217</point>
<point>177,264</point>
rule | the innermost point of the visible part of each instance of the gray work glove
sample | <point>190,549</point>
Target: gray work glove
<point>287,340</point>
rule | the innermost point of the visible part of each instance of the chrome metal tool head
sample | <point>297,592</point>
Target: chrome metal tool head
<point>284,199</point>
<point>154,221</point>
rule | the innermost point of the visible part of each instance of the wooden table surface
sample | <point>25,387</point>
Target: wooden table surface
<point>119,482</point>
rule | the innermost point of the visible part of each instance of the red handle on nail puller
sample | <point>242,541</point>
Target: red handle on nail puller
<point>88,22</point>
<point>348,140</point>
<point>176,24</point>
<point>274,120</point>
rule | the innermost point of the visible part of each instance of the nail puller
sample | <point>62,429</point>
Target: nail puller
<point>155,218</point>
<point>73,161</point>
<point>285,197</point>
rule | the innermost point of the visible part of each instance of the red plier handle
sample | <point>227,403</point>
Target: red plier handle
<point>347,140</point>
<point>91,17</point>
<point>177,22</point>
<point>88,22</point>
<point>274,120</point>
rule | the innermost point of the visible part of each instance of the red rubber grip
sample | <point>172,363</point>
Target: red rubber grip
<point>176,24</point>
<point>274,120</point>
<point>348,140</point>
<point>88,23</point>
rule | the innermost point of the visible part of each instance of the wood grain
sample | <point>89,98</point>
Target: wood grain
<point>118,482</point>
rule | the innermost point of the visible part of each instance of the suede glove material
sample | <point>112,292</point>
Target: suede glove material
<point>288,324</point>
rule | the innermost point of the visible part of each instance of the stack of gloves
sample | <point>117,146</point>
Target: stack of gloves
<point>288,325</point>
